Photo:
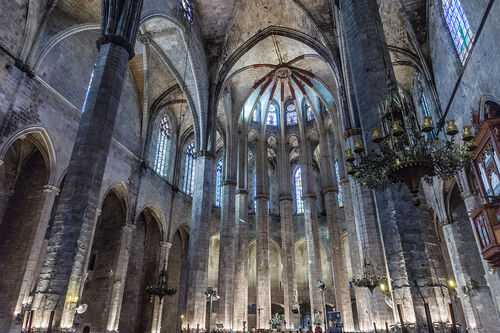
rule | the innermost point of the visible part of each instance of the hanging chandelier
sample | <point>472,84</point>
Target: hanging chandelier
<point>369,279</point>
<point>409,149</point>
<point>160,289</point>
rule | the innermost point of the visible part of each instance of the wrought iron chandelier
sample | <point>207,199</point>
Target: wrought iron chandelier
<point>369,279</point>
<point>409,149</point>
<point>160,289</point>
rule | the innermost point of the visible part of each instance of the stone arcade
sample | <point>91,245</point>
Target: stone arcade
<point>205,141</point>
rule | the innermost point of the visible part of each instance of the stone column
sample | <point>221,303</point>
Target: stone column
<point>263,279</point>
<point>478,305</point>
<point>369,61</point>
<point>342,296</point>
<point>120,277</point>
<point>50,192</point>
<point>227,254</point>
<point>69,241</point>
<point>288,260</point>
<point>241,264</point>
<point>313,252</point>
<point>199,238</point>
<point>158,306</point>
<point>352,238</point>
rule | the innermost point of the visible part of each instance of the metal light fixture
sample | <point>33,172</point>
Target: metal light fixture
<point>409,149</point>
<point>211,295</point>
<point>369,279</point>
<point>322,287</point>
<point>160,289</point>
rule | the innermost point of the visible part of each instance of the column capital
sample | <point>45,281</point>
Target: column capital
<point>229,182</point>
<point>242,191</point>
<point>119,24</point>
<point>1,162</point>
<point>51,188</point>
<point>309,196</point>
<point>344,181</point>
<point>129,227</point>
<point>352,132</point>
<point>98,212</point>
<point>262,196</point>
<point>205,153</point>
<point>166,244</point>
<point>286,198</point>
<point>330,190</point>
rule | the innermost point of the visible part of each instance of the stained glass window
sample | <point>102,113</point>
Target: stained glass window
<point>188,10</point>
<point>272,116</point>
<point>254,192</point>
<point>218,181</point>
<point>255,114</point>
<point>291,115</point>
<point>162,148</point>
<point>341,192</point>
<point>88,91</point>
<point>298,191</point>
<point>189,170</point>
<point>458,25</point>
<point>310,114</point>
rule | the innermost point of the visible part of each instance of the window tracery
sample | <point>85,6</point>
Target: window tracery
<point>162,148</point>
<point>291,115</point>
<point>189,170</point>
<point>188,10</point>
<point>218,184</point>
<point>299,203</point>
<point>459,27</point>
<point>272,115</point>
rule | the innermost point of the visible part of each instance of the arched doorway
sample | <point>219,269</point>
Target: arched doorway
<point>24,174</point>
<point>100,280</point>
<point>143,267</point>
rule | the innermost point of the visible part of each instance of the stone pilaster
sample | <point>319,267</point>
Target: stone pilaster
<point>63,267</point>
<point>158,306</point>
<point>263,278</point>
<point>313,252</point>
<point>342,296</point>
<point>241,263</point>
<point>288,260</point>
<point>352,238</point>
<point>120,277</point>
<point>227,254</point>
<point>199,239</point>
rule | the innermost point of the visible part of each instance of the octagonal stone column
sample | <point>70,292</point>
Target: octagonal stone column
<point>241,263</point>
<point>227,254</point>
<point>263,278</point>
<point>342,295</point>
<point>288,260</point>
<point>199,238</point>
<point>63,267</point>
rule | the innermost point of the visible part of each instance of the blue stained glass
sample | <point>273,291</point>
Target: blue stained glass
<point>272,116</point>
<point>291,115</point>
<point>188,10</point>
<point>310,114</point>
<point>88,91</point>
<point>254,192</point>
<point>298,191</point>
<point>458,25</point>
<point>218,181</point>
<point>189,170</point>
<point>162,148</point>
<point>341,194</point>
